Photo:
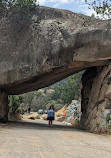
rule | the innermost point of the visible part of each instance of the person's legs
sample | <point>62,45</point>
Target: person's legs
<point>49,122</point>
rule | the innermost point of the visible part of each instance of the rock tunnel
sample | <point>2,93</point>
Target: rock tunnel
<point>54,45</point>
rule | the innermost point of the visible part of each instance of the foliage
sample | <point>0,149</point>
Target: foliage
<point>19,9</point>
<point>38,103</point>
<point>56,104</point>
<point>102,7</point>
<point>18,4</point>
<point>62,93</point>
<point>14,103</point>
<point>69,90</point>
<point>108,118</point>
<point>27,99</point>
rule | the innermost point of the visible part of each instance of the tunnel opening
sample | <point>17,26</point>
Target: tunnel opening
<point>92,90</point>
<point>59,94</point>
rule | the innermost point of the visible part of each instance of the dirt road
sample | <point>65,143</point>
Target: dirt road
<point>36,140</point>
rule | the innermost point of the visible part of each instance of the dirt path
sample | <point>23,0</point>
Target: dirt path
<point>36,140</point>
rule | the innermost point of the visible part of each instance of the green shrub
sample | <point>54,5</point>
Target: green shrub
<point>108,118</point>
<point>20,10</point>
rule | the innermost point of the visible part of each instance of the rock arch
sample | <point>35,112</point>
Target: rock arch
<point>56,44</point>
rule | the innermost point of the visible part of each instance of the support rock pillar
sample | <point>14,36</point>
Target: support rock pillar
<point>96,97</point>
<point>4,109</point>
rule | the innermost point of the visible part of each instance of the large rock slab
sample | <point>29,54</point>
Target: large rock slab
<point>56,44</point>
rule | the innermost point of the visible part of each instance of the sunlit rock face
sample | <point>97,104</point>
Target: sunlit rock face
<point>56,44</point>
<point>53,45</point>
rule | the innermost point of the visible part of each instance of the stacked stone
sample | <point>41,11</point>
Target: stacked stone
<point>74,111</point>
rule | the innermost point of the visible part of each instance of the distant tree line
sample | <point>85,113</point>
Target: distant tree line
<point>63,92</point>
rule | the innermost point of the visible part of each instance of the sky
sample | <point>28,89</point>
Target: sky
<point>77,6</point>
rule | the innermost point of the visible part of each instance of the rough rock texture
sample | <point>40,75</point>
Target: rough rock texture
<point>44,116</point>
<point>95,98</point>
<point>74,111</point>
<point>60,119</point>
<point>55,45</point>
<point>33,116</point>
<point>3,106</point>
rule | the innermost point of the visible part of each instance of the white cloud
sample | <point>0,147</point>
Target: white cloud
<point>85,10</point>
<point>89,12</point>
<point>42,2</point>
<point>61,1</point>
<point>55,5</point>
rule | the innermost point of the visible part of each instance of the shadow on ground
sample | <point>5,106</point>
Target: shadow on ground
<point>41,126</point>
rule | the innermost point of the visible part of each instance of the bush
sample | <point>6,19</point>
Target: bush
<point>19,10</point>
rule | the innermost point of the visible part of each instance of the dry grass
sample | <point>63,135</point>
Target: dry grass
<point>2,126</point>
<point>74,123</point>
<point>15,117</point>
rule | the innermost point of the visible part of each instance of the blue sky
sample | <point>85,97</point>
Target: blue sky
<point>78,6</point>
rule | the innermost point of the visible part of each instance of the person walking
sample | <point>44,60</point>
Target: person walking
<point>51,115</point>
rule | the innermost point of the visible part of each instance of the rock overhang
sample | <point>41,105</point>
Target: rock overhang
<point>55,45</point>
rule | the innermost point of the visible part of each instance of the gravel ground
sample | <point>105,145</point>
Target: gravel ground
<point>34,139</point>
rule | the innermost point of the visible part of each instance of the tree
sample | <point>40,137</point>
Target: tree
<point>93,15</point>
<point>38,103</point>
<point>19,9</point>
<point>14,103</point>
<point>102,7</point>
<point>69,90</point>
<point>29,4</point>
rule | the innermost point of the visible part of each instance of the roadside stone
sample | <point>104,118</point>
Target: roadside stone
<point>61,118</point>
<point>37,117</point>
<point>44,116</point>
<point>32,115</point>
<point>74,111</point>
